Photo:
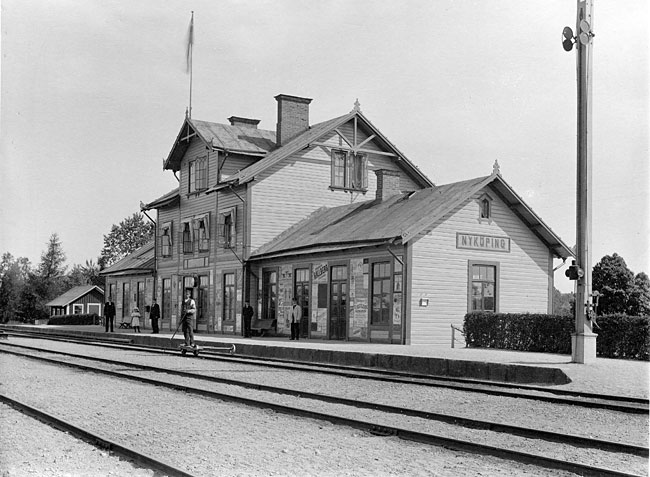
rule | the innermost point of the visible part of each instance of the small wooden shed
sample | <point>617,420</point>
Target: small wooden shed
<point>79,300</point>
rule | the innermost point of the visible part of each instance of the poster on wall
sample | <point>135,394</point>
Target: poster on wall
<point>285,295</point>
<point>397,309</point>
<point>320,272</point>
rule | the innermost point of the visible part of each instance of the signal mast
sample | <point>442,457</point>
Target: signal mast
<point>583,341</point>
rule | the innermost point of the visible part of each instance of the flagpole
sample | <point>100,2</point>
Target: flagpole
<point>190,46</point>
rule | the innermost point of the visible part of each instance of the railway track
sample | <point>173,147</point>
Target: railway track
<point>341,409</point>
<point>93,438</point>
<point>534,393</point>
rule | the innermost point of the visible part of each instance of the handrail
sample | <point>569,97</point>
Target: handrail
<point>453,334</point>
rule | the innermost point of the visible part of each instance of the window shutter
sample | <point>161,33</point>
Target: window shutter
<point>233,230</point>
<point>364,172</point>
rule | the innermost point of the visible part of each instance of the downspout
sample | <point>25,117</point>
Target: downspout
<point>155,252</point>
<point>244,262</point>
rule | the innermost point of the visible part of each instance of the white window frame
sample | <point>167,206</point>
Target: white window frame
<point>187,223</point>
<point>202,239</point>
<point>166,248</point>
<point>228,227</point>
<point>355,170</point>
<point>197,171</point>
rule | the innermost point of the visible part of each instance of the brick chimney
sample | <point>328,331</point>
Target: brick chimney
<point>243,122</point>
<point>387,184</point>
<point>293,117</point>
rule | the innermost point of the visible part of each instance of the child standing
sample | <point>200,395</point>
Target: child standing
<point>135,319</point>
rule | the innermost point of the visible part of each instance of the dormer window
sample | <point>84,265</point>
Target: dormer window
<point>198,174</point>
<point>349,170</point>
<point>485,208</point>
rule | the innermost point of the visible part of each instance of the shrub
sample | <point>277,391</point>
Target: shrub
<point>84,319</point>
<point>619,336</point>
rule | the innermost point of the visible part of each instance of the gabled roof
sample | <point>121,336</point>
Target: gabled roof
<point>239,139</point>
<point>73,295</point>
<point>313,134</point>
<point>142,261</point>
<point>398,218</point>
<point>171,198</point>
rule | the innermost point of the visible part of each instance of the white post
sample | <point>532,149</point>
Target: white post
<point>583,341</point>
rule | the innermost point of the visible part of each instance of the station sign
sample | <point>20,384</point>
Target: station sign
<point>482,242</point>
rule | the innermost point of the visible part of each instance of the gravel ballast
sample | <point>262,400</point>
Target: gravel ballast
<point>204,436</point>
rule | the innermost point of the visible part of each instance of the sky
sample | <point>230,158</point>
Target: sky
<point>93,94</point>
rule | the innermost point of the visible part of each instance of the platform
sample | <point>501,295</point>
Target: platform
<point>604,376</point>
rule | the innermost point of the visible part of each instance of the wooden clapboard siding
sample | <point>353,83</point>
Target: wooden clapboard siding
<point>232,165</point>
<point>291,190</point>
<point>167,214</point>
<point>225,257</point>
<point>440,270</point>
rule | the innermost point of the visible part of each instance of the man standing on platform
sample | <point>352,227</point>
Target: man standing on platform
<point>247,313</point>
<point>296,315</point>
<point>187,313</point>
<point>154,315</point>
<point>109,314</point>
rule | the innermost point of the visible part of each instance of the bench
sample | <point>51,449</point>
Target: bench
<point>262,326</point>
<point>125,324</point>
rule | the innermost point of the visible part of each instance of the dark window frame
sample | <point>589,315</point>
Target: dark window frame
<point>386,292</point>
<point>471,281</point>
<point>229,295</point>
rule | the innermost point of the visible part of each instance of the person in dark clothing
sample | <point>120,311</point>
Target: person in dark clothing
<point>154,316</point>
<point>248,316</point>
<point>296,315</point>
<point>109,314</point>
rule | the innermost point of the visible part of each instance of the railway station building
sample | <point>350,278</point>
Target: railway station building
<point>334,215</point>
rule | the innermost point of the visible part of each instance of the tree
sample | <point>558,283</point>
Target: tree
<point>131,234</point>
<point>639,304</point>
<point>614,281</point>
<point>13,275</point>
<point>46,282</point>
<point>87,274</point>
<point>562,302</point>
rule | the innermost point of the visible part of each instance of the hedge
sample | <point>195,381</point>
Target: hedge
<point>619,336</point>
<point>83,319</point>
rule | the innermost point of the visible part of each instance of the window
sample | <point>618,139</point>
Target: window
<point>197,175</point>
<point>202,303</point>
<point>269,294</point>
<point>188,243</point>
<point>228,228</point>
<point>111,291</point>
<point>166,239</point>
<point>485,207</point>
<point>483,287</point>
<point>202,232</point>
<point>380,293</point>
<point>349,170</point>
<point>126,299</point>
<point>228,297</point>
<point>301,294</point>
<point>140,297</point>
<point>77,309</point>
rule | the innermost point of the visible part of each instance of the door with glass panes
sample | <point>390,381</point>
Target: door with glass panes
<point>338,302</point>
